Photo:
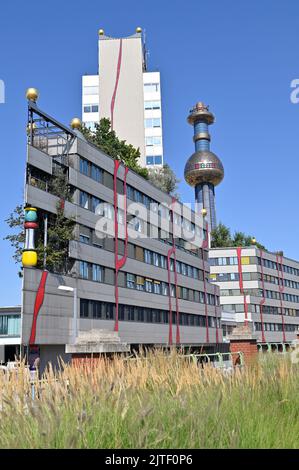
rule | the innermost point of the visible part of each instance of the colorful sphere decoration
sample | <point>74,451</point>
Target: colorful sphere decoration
<point>29,255</point>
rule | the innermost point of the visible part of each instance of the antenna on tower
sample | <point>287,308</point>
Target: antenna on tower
<point>145,51</point>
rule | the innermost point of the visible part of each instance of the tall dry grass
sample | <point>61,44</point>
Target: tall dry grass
<point>153,401</point>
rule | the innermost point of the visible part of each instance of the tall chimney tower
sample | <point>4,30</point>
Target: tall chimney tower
<point>204,169</point>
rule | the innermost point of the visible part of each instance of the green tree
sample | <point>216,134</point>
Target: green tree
<point>165,179</point>
<point>15,222</point>
<point>221,237</point>
<point>60,232</point>
<point>106,140</point>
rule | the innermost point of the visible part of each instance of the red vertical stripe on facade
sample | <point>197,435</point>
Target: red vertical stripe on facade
<point>172,251</point>
<point>116,83</point>
<point>279,262</point>
<point>205,244</point>
<point>119,263</point>
<point>39,299</point>
<point>216,315</point>
<point>239,253</point>
<point>263,299</point>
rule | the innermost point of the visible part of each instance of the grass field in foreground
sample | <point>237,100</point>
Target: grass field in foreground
<point>155,402</point>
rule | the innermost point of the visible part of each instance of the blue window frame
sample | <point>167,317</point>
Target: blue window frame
<point>83,269</point>
<point>97,273</point>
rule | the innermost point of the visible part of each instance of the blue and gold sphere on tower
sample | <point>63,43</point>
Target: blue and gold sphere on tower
<point>203,166</point>
<point>203,169</point>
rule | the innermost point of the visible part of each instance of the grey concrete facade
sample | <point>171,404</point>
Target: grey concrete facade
<point>198,302</point>
<point>270,289</point>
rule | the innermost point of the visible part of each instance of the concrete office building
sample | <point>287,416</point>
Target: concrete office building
<point>128,94</point>
<point>150,286</point>
<point>259,288</point>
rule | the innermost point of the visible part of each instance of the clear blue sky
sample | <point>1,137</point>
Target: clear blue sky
<point>237,56</point>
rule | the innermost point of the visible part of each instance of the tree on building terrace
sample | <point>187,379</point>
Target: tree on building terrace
<point>106,140</point>
<point>59,233</point>
<point>221,237</point>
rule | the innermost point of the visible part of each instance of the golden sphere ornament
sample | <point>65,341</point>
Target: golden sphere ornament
<point>32,94</point>
<point>76,123</point>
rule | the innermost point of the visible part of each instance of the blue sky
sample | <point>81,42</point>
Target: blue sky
<point>238,57</point>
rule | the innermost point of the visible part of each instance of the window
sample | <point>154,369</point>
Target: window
<point>151,87</point>
<point>184,293</point>
<point>83,266</point>
<point>131,281</point>
<point>84,239</point>
<point>96,173</point>
<point>96,309</point>
<point>150,160</point>
<point>155,259</point>
<point>97,273</point>
<point>148,256</point>
<point>164,288</point>
<point>140,314</point>
<point>140,283</point>
<point>163,261</point>
<point>153,140</point>
<point>91,108</point>
<point>84,200</point>
<point>94,203</point>
<point>154,160</point>
<point>10,325</point>
<point>90,90</point>
<point>84,308</point>
<point>84,166</point>
<point>148,285</point>
<point>152,122</point>
<point>152,104</point>
<point>157,287</point>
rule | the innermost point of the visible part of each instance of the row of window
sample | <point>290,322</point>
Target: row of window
<point>95,272</point>
<point>275,327</point>
<point>162,288</point>
<point>106,311</point>
<point>89,202</point>
<point>150,141</point>
<point>90,169</point>
<point>96,173</point>
<point>91,271</point>
<point>152,104</point>
<point>151,87</point>
<point>90,108</point>
<point>150,257</point>
<point>232,261</point>
<point>255,308</point>
<point>88,236</point>
<point>270,310</point>
<point>152,122</point>
<point>233,292</point>
<point>270,294</point>
<point>90,90</point>
<point>141,254</point>
<point>279,281</point>
<point>154,160</point>
<point>273,265</point>
<point>222,277</point>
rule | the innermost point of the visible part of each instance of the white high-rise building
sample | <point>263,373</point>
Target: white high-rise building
<point>126,93</point>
